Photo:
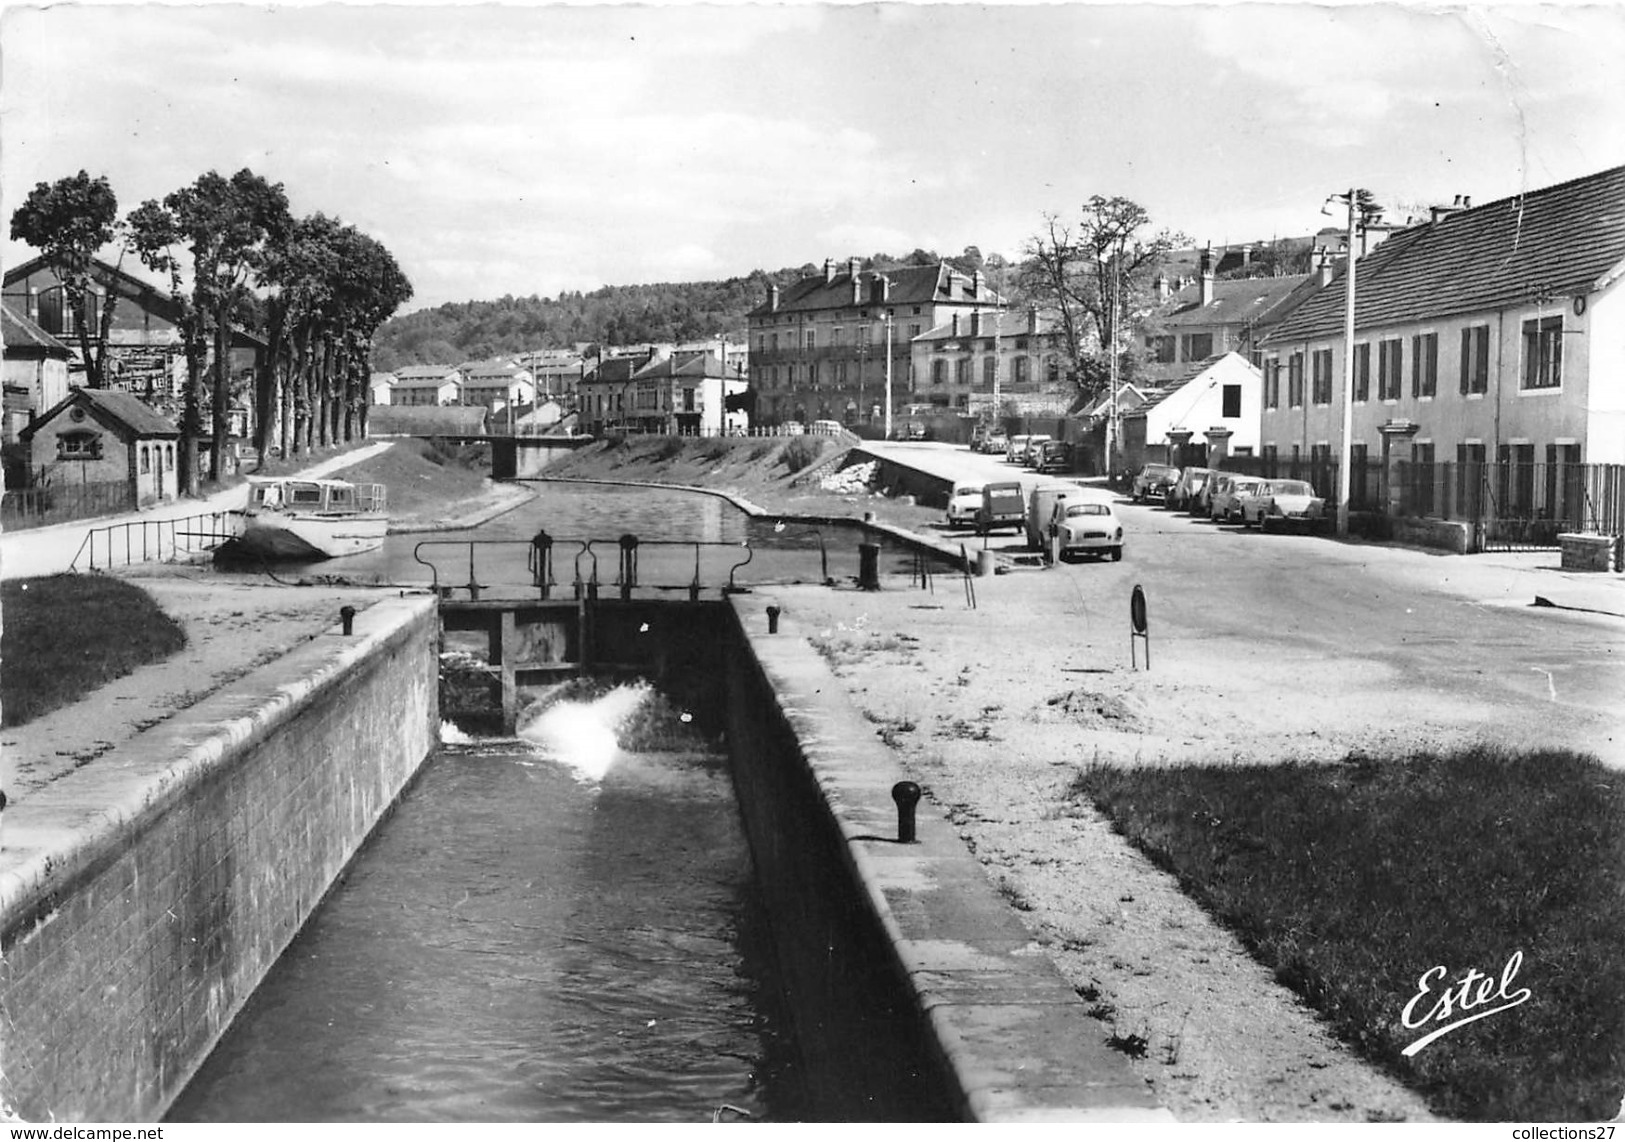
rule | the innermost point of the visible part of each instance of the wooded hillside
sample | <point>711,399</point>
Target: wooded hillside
<point>614,315</point>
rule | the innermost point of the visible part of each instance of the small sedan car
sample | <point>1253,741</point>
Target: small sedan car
<point>1224,498</point>
<point>963,505</point>
<point>1153,482</point>
<point>1090,527</point>
<point>995,441</point>
<point>1054,456</point>
<point>1033,449</point>
<point>1281,502</point>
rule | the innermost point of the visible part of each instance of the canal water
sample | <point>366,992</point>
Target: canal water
<point>563,927</point>
<point>549,929</point>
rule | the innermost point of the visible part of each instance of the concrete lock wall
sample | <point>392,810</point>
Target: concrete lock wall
<point>912,984</point>
<point>142,900</point>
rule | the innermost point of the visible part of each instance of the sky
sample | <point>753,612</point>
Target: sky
<point>536,148</point>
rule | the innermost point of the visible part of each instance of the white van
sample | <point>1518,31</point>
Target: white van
<point>1041,502</point>
<point>826,428</point>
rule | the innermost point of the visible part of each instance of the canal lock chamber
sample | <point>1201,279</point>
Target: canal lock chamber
<point>842,1040</point>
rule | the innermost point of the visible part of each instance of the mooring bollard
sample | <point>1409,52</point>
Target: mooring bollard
<point>907,795</point>
<point>772,620</point>
<point>347,617</point>
<point>869,566</point>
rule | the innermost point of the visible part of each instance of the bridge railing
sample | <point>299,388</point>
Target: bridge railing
<point>495,564</point>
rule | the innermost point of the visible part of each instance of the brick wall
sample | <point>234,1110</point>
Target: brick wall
<point>143,898</point>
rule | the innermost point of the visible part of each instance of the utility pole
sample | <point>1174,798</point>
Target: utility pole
<point>888,374</point>
<point>1346,455</point>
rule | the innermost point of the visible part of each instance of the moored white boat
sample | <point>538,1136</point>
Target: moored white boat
<point>293,518</point>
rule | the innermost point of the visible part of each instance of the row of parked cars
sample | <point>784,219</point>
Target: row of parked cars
<point>1038,451</point>
<point>1057,509</point>
<point>1230,497</point>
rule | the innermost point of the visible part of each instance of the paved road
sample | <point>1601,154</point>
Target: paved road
<point>1388,625</point>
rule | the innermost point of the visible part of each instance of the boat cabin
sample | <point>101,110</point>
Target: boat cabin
<point>328,497</point>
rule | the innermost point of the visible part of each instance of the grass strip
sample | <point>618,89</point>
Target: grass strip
<point>1352,880</point>
<point>67,635</point>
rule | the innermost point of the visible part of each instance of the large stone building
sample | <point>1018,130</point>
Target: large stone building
<point>823,348</point>
<point>993,363</point>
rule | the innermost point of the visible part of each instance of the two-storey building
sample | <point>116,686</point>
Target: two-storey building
<point>833,345</point>
<point>1489,334</point>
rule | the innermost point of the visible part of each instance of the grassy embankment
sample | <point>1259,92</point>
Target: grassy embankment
<point>1350,881</point>
<point>764,470</point>
<point>66,635</point>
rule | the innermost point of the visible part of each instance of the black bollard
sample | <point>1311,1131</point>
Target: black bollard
<point>907,795</point>
<point>869,566</point>
<point>347,617</point>
<point>772,620</point>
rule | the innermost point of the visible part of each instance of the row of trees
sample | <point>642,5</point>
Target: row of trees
<point>235,257</point>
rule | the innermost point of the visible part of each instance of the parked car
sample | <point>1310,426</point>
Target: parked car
<point>995,441</point>
<point>1002,506</point>
<point>1225,492</point>
<point>1153,482</point>
<point>1090,527</point>
<point>1055,456</point>
<point>792,428</point>
<point>1183,495</point>
<point>963,504</point>
<point>1016,447</point>
<point>1041,502</point>
<point>1282,501</point>
<point>1035,444</point>
<point>826,428</point>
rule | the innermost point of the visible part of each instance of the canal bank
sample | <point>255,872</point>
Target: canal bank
<point>143,897</point>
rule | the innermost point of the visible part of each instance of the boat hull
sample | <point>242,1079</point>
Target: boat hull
<point>281,536</point>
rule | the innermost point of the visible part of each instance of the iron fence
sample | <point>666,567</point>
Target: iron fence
<point>1509,505</point>
<point>61,503</point>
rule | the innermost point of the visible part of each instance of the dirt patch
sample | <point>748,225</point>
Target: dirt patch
<point>1092,708</point>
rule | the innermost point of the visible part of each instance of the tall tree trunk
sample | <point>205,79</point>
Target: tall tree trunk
<point>222,393</point>
<point>266,389</point>
<point>192,402</point>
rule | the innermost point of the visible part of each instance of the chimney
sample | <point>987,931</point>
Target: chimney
<point>1032,319</point>
<point>1207,275</point>
<point>1325,272</point>
<point>773,298</point>
<point>857,284</point>
<point>854,266</point>
<point>1160,284</point>
<point>829,270</point>
<point>978,284</point>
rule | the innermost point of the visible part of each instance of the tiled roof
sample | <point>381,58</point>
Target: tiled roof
<point>910,285</point>
<point>1007,325</point>
<point>19,333</point>
<point>1560,241</point>
<point>436,373</point>
<point>114,408</point>
<point>1235,301</point>
<point>697,366</point>
<point>1156,396</point>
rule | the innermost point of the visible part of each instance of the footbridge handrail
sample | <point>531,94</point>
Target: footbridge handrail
<point>152,540</point>
<point>585,583</point>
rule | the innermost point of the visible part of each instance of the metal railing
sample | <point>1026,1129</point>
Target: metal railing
<point>486,559</point>
<point>152,540</point>
<point>44,505</point>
